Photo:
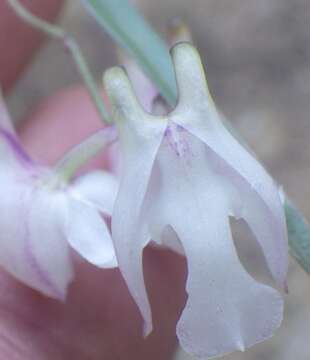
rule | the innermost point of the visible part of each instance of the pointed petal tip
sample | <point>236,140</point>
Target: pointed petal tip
<point>112,264</point>
<point>104,260</point>
<point>60,295</point>
<point>56,293</point>
<point>147,328</point>
<point>89,235</point>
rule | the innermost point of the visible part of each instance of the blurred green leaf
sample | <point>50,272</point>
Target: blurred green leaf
<point>298,235</point>
<point>134,34</point>
<point>129,29</point>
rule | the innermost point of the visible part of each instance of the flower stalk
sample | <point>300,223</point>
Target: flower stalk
<point>83,152</point>
<point>71,45</point>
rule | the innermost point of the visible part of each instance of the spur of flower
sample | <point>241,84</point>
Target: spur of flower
<point>43,214</point>
<point>183,176</point>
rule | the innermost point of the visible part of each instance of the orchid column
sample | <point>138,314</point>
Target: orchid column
<point>184,175</point>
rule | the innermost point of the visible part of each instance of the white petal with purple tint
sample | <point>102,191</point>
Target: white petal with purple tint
<point>220,315</point>
<point>45,244</point>
<point>98,188</point>
<point>198,115</point>
<point>140,140</point>
<point>183,176</point>
<point>41,213</point>
<point>33,246</point>
<point>88,234</point>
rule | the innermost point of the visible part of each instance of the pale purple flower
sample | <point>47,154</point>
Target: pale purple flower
<point>183,176</point>
<point>42,214</point>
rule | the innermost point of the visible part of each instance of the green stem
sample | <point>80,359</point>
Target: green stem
<point>84,151</point>
<point>74,49</point>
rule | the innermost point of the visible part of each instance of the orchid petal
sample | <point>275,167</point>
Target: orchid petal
<point>12,256</point>
<point>45,244</point>
<point>202,120</point>
<point>140,138</point>
<point>98,188</point>
<point>35,251</point>
<point>220,315</point>
<point>89,235</point>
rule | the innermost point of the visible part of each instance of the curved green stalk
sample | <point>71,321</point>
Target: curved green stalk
<point>58,33</point>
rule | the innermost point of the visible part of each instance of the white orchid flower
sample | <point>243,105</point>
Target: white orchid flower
<point>41,213</point>
<point>183,176</point>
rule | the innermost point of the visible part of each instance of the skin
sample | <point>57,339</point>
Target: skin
<point>99,319</point>
<point>18,41</point>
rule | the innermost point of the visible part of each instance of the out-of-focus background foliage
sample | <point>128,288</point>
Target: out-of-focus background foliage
<point>257,55</point>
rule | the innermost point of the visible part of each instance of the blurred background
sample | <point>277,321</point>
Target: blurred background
<point>257,56</point>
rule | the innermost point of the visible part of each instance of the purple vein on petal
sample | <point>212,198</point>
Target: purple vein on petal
<point>15,146</point>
